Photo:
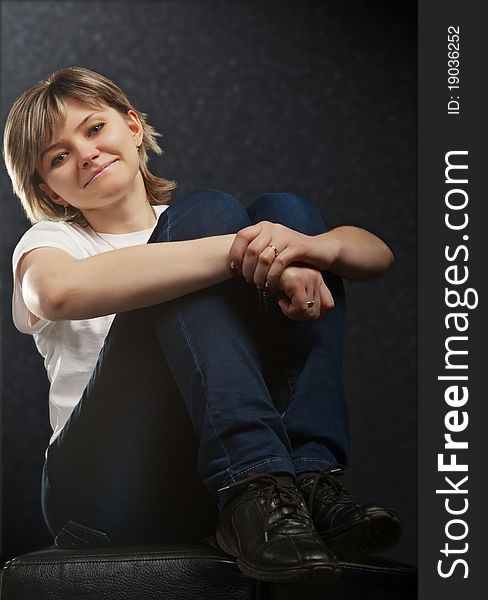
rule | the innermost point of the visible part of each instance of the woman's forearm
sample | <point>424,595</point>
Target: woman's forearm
<point>136,277</point>
<point>351,252</point>
<point>348,251</point>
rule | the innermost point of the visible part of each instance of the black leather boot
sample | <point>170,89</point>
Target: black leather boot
<point>349,527</point>
<point>268,528</point>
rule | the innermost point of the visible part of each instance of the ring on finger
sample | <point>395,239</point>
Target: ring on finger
<point>274,248</point>
<point>310,303</point>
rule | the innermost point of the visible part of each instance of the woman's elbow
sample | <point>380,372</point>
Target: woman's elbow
<point>52,305</point>
<point>386,258</point>
<point>382,262</point>
<point>386,261</point>
<point>390,258</point>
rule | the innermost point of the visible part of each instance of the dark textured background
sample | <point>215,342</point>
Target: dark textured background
<point>314,97</point>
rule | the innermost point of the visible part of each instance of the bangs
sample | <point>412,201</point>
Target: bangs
<point>48,118</point>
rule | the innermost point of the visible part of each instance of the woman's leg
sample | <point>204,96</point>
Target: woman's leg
<point>311,400</point>
<point>118,465</point>
<point>123,470</point>
<point>313,408</point>
<point>215,346</point>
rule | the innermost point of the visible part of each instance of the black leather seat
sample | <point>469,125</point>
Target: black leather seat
<point>186,572</point>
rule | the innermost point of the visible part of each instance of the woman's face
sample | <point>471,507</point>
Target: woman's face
<point>92,138</point>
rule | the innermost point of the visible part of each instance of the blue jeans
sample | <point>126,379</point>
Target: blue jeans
<point>209,387</point>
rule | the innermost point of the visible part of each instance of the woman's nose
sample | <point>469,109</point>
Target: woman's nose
<point>87,154</point>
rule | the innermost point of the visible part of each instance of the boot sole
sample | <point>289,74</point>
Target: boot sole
<point>318,573</point>
<point>372,534</point>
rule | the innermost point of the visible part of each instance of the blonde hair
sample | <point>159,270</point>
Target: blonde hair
<point>38,113</point>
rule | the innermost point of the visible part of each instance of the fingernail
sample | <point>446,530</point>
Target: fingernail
<point>234,267</point>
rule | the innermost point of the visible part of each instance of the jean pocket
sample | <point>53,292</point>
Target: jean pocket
<point>76,535</point>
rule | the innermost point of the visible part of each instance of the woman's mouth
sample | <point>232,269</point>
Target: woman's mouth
<point>101,172</point>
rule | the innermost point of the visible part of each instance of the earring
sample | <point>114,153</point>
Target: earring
<point>66,212</point>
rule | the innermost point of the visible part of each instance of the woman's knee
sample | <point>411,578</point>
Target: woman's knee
<point>201,213</point>
<point>289,209</point>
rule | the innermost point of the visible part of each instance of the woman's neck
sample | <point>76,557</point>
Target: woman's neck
<point>133,213</point>
<point>145,219</point>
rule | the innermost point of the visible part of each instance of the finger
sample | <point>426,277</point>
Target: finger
<point>301,301</point>
<point>326,301</point>
<point>265,260</point>
<point>289,310</point>
<point>312,303</point>
<point>284,258</point>
<point>258,249</point>
<point>284,303</point>
<point>243,238</point>
<point>323,303</point>
<point>328,298</point>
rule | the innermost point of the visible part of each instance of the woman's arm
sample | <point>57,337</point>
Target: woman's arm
<point>351,252</point>
<point>57,286</point>
<point>297,286</point>
<point>348,251</point>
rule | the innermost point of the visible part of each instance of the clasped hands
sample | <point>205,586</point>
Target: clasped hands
<point>285,263</point>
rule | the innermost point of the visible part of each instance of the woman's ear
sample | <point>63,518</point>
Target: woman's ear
<point>135,126</point>
<point>51,194</point>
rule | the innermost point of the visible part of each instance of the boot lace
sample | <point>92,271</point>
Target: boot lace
<point>288,498</point>
<point>334,488</point>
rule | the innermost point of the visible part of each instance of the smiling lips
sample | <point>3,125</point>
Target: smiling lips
<point>100,171</point>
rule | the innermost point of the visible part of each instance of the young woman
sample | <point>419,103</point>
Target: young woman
<point>147,310</point>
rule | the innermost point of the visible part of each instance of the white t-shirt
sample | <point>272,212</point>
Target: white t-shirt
<point>70,348</point>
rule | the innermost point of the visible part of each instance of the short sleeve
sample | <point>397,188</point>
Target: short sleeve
<point>46,234</point>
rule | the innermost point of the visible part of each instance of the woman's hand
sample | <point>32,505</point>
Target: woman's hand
<point>303,295</point>
<point>261,252</point>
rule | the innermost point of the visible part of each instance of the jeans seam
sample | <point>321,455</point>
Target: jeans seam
<point>180,318</point>
<point>76,533</point>
<point>291,397</point>
<point>312,460</point>
<point>47,492</point>
<point>85,528</point>
<point>289,379</point>
<point>167,213</point>
<point>259,464</point>
<point>168,224</point>
<point>207,407</point>
<point>317,459</point>
<point>68,533</point>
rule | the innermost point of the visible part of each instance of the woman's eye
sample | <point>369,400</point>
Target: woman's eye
<point>96,128</point>
<point>57,159</point>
